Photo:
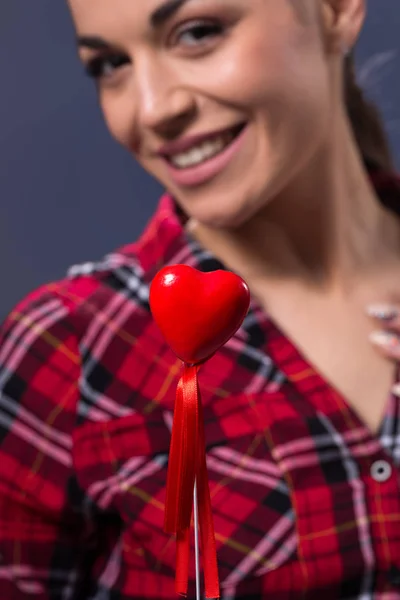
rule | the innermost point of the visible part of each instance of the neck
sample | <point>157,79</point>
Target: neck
<point>326,229</point>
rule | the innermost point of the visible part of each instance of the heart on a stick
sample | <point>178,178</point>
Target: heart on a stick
<point>197,312</point>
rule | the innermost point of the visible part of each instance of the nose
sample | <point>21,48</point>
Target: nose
<point>165,105</point>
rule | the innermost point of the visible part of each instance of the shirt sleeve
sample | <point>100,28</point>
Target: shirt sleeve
<point>43,527</point>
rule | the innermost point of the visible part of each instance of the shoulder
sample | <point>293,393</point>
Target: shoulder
<point>39,355</point>
<point>66,307</point>
<point>50,335</point>
<point>41,310</point>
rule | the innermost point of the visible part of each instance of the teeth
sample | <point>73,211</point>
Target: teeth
<point>201,153</point>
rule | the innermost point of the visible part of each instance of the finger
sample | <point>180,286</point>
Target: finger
<point>386,313</point>
<point>396,389</point>
<point>387,342</point>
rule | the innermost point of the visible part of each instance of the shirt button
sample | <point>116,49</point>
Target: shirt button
<point>381,471</point>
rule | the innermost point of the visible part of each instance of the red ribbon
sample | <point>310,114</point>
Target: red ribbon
<point>187,465</point>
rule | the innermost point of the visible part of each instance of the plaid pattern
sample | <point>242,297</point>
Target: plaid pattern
<point>87,388</point>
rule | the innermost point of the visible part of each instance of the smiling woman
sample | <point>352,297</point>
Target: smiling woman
<point>275,167</point>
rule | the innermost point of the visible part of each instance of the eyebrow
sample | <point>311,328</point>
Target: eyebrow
<point>166,11</point>
<point>159,17</point>
<point>92,42</point>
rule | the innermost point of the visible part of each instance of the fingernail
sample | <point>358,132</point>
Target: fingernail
<point>383,312</point>
<point>396,390</point>
<point>385,339</point>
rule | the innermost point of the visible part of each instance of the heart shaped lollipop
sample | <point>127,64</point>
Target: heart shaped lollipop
<point>197,312</point>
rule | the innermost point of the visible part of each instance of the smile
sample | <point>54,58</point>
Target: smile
<point>205,150</point>
<point>196,163</point>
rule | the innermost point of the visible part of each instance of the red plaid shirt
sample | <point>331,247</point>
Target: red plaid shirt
<point>306,500</point>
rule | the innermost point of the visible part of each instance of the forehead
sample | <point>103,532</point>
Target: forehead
<point>98,13</point>
<point>139,11</point>
<point>121,21</point>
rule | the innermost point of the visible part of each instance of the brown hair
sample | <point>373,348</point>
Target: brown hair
<point>367,123</point>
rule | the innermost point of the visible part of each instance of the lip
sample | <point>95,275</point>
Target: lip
<point>171,148</point>
<point>200,174</point>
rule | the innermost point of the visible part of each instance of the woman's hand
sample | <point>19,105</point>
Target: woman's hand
<point>387,335</point>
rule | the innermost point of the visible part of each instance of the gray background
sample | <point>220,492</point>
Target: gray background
<point>68,193</point>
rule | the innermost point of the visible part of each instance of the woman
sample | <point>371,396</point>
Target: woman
<point>279,170</point>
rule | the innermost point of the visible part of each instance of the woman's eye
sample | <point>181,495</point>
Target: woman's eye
<point>105,66</point>
<point>198,33</point>
<point>193,35</point>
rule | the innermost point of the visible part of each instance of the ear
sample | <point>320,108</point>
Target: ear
<point>343,21</point>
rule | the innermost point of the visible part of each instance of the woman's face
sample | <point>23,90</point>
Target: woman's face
<point>222,101</point>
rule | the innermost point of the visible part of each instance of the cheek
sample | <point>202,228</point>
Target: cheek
<point>279,81</point>
<point>118,118</point>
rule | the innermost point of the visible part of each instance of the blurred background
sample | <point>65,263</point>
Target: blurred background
<point>68,193</point>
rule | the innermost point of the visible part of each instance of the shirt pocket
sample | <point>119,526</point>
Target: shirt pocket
<point>122,465</point>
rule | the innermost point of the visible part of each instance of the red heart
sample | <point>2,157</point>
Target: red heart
<point>198,312</point>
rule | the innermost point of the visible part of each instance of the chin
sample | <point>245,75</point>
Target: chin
<point>226,213</point>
